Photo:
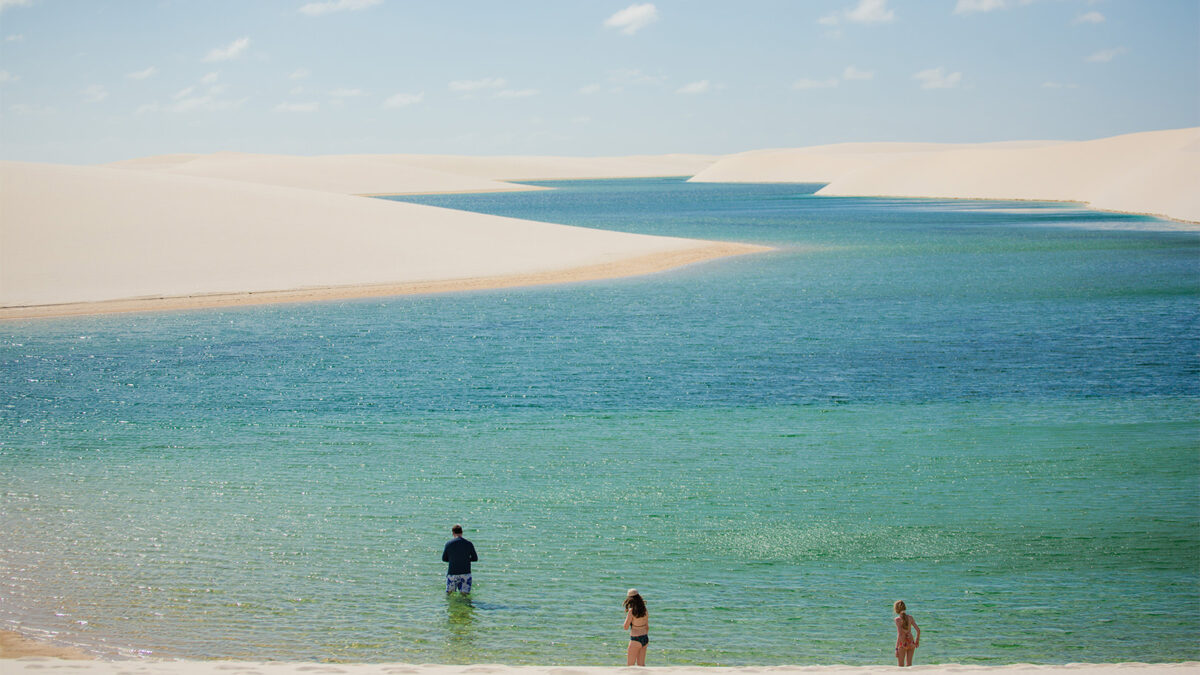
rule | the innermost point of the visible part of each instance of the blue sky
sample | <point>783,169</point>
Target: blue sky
<point>91,81</point>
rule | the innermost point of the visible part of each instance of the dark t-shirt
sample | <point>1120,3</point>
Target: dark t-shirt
<point>460,553</point>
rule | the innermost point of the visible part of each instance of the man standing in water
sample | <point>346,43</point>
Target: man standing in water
<point>460,553</point>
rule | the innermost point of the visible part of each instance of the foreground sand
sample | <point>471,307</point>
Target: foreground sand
<point>1154,173</point>
<point>101,239</point>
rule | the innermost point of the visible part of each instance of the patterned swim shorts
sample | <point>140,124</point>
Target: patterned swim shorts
<point>458,582</point>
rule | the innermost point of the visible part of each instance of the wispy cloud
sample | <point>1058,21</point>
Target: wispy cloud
<point>5,4</point>
<point>403,99</point>
<point>209,78</point>
<point>866,11</point>
<point>310,106</point>
<point>95,93</point>
<point>142,74</point>
<point>633,18</point>
<point>299,74</point>
<point>852,73</point>
<point>871,11</point>
<point>701,87</point>
<point>15,37</point>
<point>1106,55</point>
<point>319,8</point>
<point>938,78</point>
<point>807,83</point>
<point>6,77</point>
<point>27,109</point>
<point>1089,17</point>
<point>979,6</point>
<point>590,89</point>
<point>634,76</point>
<point>476,85</point>
<point>230,51</point>
<point>516,93</point>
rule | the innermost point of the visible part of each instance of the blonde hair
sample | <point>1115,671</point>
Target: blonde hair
<point>899,608</point>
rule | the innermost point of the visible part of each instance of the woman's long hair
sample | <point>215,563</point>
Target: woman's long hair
<point>899,608</point>
<point>636,605</point>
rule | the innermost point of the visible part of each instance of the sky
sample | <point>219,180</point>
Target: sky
<point>93,81</point>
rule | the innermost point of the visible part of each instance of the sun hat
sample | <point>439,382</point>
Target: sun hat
<point>632,592</point>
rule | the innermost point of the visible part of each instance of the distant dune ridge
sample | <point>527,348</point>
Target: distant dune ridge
<point>1155,172</point>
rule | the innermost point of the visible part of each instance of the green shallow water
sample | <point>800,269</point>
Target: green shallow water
<point>991,415</point>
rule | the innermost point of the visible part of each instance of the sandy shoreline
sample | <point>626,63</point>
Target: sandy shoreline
<point>641,265</point>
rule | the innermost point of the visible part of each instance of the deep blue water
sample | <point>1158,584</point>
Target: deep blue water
<point>988,409</point>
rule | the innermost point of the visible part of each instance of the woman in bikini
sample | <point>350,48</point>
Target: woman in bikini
<point>905,644</point>
<point>637,620</point>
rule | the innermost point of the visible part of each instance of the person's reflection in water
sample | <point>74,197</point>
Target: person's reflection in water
<point>460,624</point>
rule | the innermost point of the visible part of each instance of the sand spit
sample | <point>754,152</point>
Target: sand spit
<point>1153,173</point>
<point>72,235</point>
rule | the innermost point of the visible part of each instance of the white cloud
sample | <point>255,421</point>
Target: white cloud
<point>806,83</point>
<point>829,20</point>
<point>346,93</point>
<point>1089,17</point>
<point>184,93</point>
<point>299,74</point>
<point>209,78</point>
<point>938,78</point>
<point>590,89</point>
<point>6,77</point>
<point>701,87</point>
<point>95,93</point>
<point>402,99</point>
<point>297,107</point>
<point>871,11</point>
<point>852,73</point>
<point>633,18</point>
<point>15,37</point>
<point>319,8</point>
<point>5,4</point>
<point>142,74</point>
<point>516,93</point>
<point>229,51</point>
<point>475,85</point>
<point>979,6</point>
<point>1106,55</point>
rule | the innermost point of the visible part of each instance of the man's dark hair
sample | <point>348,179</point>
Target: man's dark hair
<point>457,529</point>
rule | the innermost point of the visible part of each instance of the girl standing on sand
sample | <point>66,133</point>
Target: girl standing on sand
<point>637,620</point>
<point>905,644</point>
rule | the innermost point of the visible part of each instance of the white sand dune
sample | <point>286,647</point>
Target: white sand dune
<point>412,174</point>
<point>343,174</point>
<point>93,234</point>
<point>1154,172</point>
<point>49,666</point>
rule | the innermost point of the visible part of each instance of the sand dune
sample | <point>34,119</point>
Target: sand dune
<point>411,174</point>
<point>95,234</point>
<point>1153,172</point>
<point>345,174</point>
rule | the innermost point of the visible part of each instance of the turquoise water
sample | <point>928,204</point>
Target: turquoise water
<point>988,409</point>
